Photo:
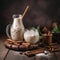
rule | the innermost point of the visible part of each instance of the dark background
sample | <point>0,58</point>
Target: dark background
<point>41,12</point>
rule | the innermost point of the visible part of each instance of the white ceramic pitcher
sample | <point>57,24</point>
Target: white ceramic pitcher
<point>16,29</point>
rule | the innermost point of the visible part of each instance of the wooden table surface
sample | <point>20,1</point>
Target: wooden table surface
<point>14,55</point>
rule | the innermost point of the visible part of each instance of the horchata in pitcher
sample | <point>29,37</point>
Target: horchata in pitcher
<point>16,29</point>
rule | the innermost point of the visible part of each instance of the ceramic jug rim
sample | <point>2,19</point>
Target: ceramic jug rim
<point>17,16</point>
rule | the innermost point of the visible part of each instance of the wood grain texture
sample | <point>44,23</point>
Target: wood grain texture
<point>14,55</point>
<point>3,50</point>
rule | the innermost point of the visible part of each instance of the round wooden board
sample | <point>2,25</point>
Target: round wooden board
<point>20,45</point>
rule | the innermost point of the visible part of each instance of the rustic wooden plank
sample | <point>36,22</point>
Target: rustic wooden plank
<point>14,55</point>
<point>58,55</point>
<point>3,50</point>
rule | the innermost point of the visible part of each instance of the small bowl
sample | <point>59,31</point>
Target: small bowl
<point>31,36</point>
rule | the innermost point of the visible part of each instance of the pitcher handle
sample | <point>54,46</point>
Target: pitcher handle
<point>8,31</point>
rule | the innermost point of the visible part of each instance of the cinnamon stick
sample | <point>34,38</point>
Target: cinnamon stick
<point>25,11</point>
